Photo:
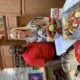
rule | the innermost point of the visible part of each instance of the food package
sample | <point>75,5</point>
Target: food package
<point>71,22</point>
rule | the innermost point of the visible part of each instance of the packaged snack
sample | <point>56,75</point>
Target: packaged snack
<point>71,22</point>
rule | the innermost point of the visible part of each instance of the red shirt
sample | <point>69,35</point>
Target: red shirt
<point>37,54</point>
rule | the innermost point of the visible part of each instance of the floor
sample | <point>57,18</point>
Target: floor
<point>18,73</point>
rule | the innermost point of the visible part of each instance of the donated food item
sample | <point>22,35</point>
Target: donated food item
<point>71,22</point>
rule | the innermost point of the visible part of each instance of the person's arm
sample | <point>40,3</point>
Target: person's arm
<point>31,39</point>
<point>37,62</point>
<point>53,63</point>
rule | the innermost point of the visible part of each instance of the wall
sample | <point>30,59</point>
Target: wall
<point>41,6</point>
<point>38,8</point>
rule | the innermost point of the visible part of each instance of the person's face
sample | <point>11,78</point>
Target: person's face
<point>18,34</point>
<point>18,49</point>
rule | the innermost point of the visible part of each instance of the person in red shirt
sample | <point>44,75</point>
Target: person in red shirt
<point>35,54</point>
